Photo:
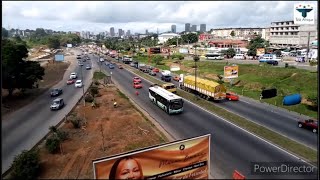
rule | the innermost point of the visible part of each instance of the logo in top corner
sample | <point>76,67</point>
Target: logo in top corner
<point>304,9</point>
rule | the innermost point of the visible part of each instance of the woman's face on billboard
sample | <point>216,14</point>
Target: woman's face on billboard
<point>129,169</point>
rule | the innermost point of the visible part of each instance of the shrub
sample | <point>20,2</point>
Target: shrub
<point>88,98</point>
<point>161,63</point>
<point>53,144</point>
<point>94,90</point>
<point>26,165</point>
<point>313,62</point>
<point>62,135</point>
<point>76,122</point>
<point>181,57</point>
<point>53,129</point>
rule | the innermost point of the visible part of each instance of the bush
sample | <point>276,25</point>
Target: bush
<point>88,98</point>
<point>76,122</point>
<point>62,135</point>
<point>181,57</point>
<point>313,62</point>
<point>26,165</point>
<point>94,90</point>
<point>161,63</point>
<point>53,144</point>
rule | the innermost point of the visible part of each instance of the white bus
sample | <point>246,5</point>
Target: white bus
<point>169,102</point>
<point>214,56</point>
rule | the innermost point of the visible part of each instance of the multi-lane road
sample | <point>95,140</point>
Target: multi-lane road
<point>27,126</point>
<point>232,148</point>
<point>276,119</point>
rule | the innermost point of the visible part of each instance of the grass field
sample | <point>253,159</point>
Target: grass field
<point>253,78</point>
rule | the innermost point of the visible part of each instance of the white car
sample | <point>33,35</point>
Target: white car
<point>101,60</point>
<point>73,75</point>
<point>78,84</point>
<point>238,56</point>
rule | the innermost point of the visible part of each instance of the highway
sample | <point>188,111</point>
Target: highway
<point>278,120</point>
<point>27,126</point>
<point>232,148</point>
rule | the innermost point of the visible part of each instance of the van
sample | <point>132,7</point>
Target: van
<point>238,56</point>
<point>170,87</point>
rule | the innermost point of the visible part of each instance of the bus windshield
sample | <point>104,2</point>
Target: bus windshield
<point>176,104</point>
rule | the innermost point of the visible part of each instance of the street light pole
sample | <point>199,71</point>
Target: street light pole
<point>196,58</point>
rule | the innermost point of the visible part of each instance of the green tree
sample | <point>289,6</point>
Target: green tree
<point>232,33</point>
<point>18,73</point>
<point>26,165</point>
<point>4,33</point>
<point>53,42</point>
<point>229,52</point>
<point>255,43</point>
<point>157,59</point>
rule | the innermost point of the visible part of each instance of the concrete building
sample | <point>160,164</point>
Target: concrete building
<point>166,36</point>
<point>203,28</point>
<point>120,32</point>
<point>240,33</point>
<point>128,33</point>
<point>112,33</point>
<point>173,28</point>
<point>147,31</point>
<point>288,34</point>
<point>187,27</point>
<point>193,28</point>
<point>205,37</point>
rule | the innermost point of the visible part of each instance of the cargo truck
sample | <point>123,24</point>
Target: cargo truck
<point>166,75</point>
<point>206,89</point>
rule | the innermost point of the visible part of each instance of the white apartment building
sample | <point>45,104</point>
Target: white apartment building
<point>166,36</point>
<point>288,34</point>
<point>240,33</point>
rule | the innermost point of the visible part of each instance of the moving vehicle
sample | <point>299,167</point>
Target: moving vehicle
<point>137,79</point>
<point>88,67</point>
<point>232,96</point>
<point>310,124</point>
<point>143,68</point>
<point>239,56</point>
<point>214,56</point>
<point>137,85</point>
<point>170,87</point>
<point>152,73</point>
<point>127,59</point>
<point>73,75</point>
<point>57,104</point>
<point>169,102</point>
<point>166,75</point>
<point>55,92</point>
<point>70,81</point>
<point>156,70</point>
<point>206,89</point>
<point>269,57</point>
<point>111,66</point>
<point>78,84</point>
<point>176,78</point>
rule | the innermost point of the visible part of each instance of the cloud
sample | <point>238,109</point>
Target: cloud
<point>141,15</point>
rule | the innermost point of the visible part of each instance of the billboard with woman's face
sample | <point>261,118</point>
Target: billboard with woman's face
<point>187,159</point>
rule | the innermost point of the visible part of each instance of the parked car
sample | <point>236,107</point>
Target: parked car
<point>137,79</point>
<point>73,75</point>
<point>152,73</point>
<point>310,124</point>
<point>80,64</point>
<point>78,84</point>
<point>232,96</point>
<point>88,67</point>
<point>137,85</point>
<point>120,67</point>
<point>176,78</point>
<point>57,104</point>
<point>70,81</point>
<point>273,62</point>
<point>238,56</point>
<point>55,92</point>
<point>107,63</point>
<point>111,66</point>
<point>78,57</point>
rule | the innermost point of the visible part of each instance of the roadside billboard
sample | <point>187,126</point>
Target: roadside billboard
<point>184,159</point>
<point>69,45</point>
<point>260,51</point>
<point>59,57</point>
<point>231,71</point>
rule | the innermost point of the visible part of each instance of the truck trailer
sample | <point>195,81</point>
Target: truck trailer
<point>206,89</point>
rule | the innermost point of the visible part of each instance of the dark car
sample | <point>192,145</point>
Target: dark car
<point>309,124</point>
<point>55,92</point>
<point>57,104</point>
<point>272,62</point>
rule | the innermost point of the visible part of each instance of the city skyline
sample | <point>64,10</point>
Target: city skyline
<point>83,15</point>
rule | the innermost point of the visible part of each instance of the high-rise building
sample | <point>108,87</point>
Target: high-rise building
<point>128,33</point>
<point>119,32</point>
<point>112,32</point>
<point>147,31</point>
<point>203,28</point>
<point>187,27</point>
<point>173,28</point>
<point>194,28</point>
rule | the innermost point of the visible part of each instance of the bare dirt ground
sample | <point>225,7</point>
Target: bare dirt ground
<point>53,74</point>
<point>124,129</point>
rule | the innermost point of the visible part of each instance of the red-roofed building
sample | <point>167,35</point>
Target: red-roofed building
<point>205,37</point>
<point>228,43</point>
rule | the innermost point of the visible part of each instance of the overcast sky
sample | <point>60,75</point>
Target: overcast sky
<point>99,16</point>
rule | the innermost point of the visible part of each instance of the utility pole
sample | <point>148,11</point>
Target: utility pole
<point>308,45</point>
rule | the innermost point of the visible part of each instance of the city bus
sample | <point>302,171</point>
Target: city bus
<point>169,102</point>
<point>214,56</point>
